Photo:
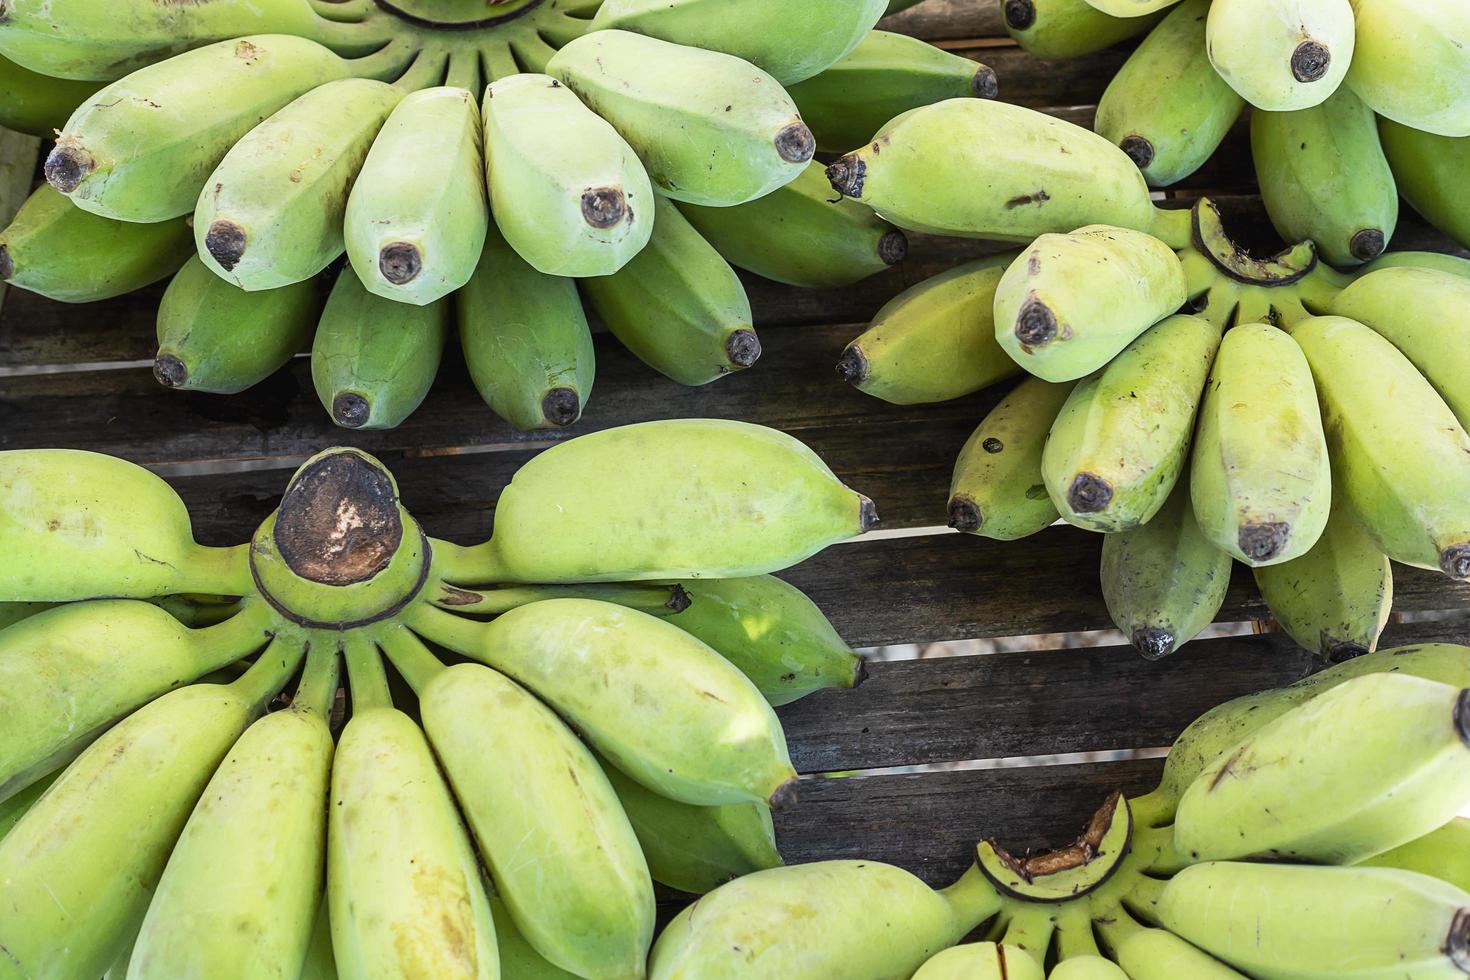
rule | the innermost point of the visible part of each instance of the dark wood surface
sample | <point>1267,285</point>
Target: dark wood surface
<point>230,457</point>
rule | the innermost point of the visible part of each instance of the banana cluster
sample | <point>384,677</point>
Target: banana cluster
<point>471,169</point>
<point>1309,832</point>
<point>565,726</point>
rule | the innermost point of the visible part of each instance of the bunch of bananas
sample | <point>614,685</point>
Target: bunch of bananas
<point>1308,832</point>
<point>642,147</point>
<point>1325,429</point>
<point>596,730</point>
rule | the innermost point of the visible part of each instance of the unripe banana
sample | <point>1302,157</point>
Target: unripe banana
<point>1442,854</point>
<point>1060,29</point>
<point>566,190</point>
<point>773,916</point>
<point>1438,261</point>
<point>142,148</point>
<point>935,340</point>
<point>792,41</point>
<point>799,235</point>
<point>518,958</point>
<point>1154,954</point>
<point>417,214</point>
<point>1060,333</point>
<point>63,253</point>
<point>1281,55</point>
<point>1430,173</point>
<point>1324,176</point>
<point>1167,107</point>
<point>1131,8</point>
<point>214,336</point>
<point>36,104</point>
<point>1412,64</point>
<point>1120,442</point>
<point>885,75</point>
<point>773,633</point>
<point>981,961</point>
<point>1087,968</point>
<point>997,490</point>
<point>13,612</point>
<point>374,359</point>
<point>1398,452</point>
<point>982,169</point>
<point>525,339</point>
<point>710,128</point>
<point>320,964</point>
<point>1165,581</point>
<point>19,804</point>
<point>678,305</point>
<point>1261,480</point>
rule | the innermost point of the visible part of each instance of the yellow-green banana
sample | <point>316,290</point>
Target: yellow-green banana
<point>37,104</point>
<point>1059,332</point>
<point>1442,854</point>
<point>1167,107</point>
<point>518,958</point>
<point>1131,8</point>
<point>1154,954</point>
<point>1119,443</point>
<point>1281,55</point>
<point>525,339</point>
<point>417,214</point>
<point>1087,967</point>
<point>63,253</point>
<point>1439,261</point>
<point>18,804</point>
<point>798,234</point>
<point>709,127</point>
<point>981,961</point>
<point>997,490</point>
<point>1060,29</point>
<point>374,359</point>
<point>1412,64</point>
<point>319,964</point>
<point>935,340</point>
<point>143,147</point>
<point>1430,171</point>
<point>214,336</point>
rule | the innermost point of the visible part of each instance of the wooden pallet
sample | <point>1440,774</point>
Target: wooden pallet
<point>230,458</point>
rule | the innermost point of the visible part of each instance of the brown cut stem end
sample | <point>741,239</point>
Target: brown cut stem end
<point>604,207</point>
<point>1089,494</point>
<point>852,366</point>
<point>170,371</point>
<point>1310,61</point>
<point>67,165</point>
<point>561,407</point>
<point>350,410</point>
<point>226,243</point>
<point>1036,324</point>
<point>964,515</point>
<point>1152,642</point>
<point>796,144</point>
<point>1019,14</point>
<point>984,84</point>
<point>400,262</point>
<point>847,175</point>
<point>743,348</point>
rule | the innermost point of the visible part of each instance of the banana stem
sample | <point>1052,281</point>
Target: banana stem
<point>270,672</point>
<point>1116,925</point>
<point>532,52</point>
<point>410,656</point>
<point>219,571</point>
<point>464,636</point>
<point>564,29</point>
<point>317,688</point>
<point>358,36</point>
<point>972,899</point>
<point>464,70</point>
<point>476,565</point>
<point>1074,933</point>
<point>656,600</point>
<point>1173,226</point>
<point>1151,810</point>
<point>1290,312</point>
<point>1030,929</point>
<point>387,63</point>
<point>342,11</point>
<point>1142,899</point>
<point>1220,304</point>
<point>426,71</point>
<point>498,63</point>
<point>366,677</point>
<point>239,636</point>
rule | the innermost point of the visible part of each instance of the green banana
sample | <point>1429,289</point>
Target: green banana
<point>1422,313</point>
<point>1154,954</point>
<point>709,127</point>
<point>215,336</point>
<point>1087,968</point>
<point>319,963</point>
<point>1442,854</point>
<point>1335,599</point>
<point>886,75</point>
<point>981,961</point>
<point>1167,107</point>
<point>271,213</point>
<point>1165,581</point>
<point>696,849</point>
<point>374,359</point>
<point>566,190</point>
<point>799,235</point>
<point>1323,176</point>
<point>977,168</point>
<point>1397,451</point>
<point>19,804</point>
<point>240,894</point>
<point>1430,173</point>
<point>997,490</point>
<point>63,253</point>
<point>36,104</point>
<point>1131,8</point>
<point>143,147</point>
<point>13,612</point>
<point>1412,63</point>
<point>1119,443</point>
<point>1281,55</point>
<point>1261,480</point>
<point>678,305</point>
<point>518,958</point>
<point>417,213</point>
<point>791,41</point>
<point>774,634</point>
<point>1063,29</point>
<point>771,917</point>
<point>1438,261</point>
<point>1061,333</point>
<point>935,340</point>
<point>525,339</point>
<point>78,869</point>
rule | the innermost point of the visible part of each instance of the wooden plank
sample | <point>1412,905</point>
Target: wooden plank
<point>942,20</point>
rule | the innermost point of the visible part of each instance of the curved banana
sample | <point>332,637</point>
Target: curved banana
<point>1438,261</point>
<point>1429,171</point>
<point>1412,64</point>
<point>1087,968</point>
<point>518,958</point>
<point>319,964</point>
<point>19,804</point>
<point>1442,854</point>
<point>1281,55</point>
<point>37,104</point>
<point>1154,954</point>
<point>981,961</point>
<point>1131,8</point>
<point>1060,29</point>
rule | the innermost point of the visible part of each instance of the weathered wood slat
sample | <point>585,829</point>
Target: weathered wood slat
<point>941,20</point>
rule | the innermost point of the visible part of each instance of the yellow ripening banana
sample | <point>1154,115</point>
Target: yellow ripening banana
<point>525,338</point>
<point>998,490</point>
<point>1443,853</point>
<point>1167,107</point>
<point>566,190</point>
<point>935,340</point>
<point>415,240</point>
<point>792,41</point>
<point>1261,479</point>
<point>214,336</point>
<point>143,147</point>
<point>709,127</point>
<point>37,104</point>
<point>1281,55</point>
<point>76,525</point>
<point>1165,581</point>
<point>1060,333</point>
<point>1118,445</point>
<point>981,961</point>
<point>1323,176</point>
<point>1430,172</point>
<point>799,235</point>
<point>1155,954</point>
<point>1413,63</point>
<point>64,253</point>
<point>1398,452</point>
<point>1068,28</point>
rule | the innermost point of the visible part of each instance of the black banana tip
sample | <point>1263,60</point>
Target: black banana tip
<point>1454,561</point>
<point>796,144</point>
<point>784,795</point>
<point>1089,494</point>
<point>964,515</point>
<point>170,371</point>
<point>1310,61</point>
<point>400,262</point>
<point>1019,14</point>
<point>226,243</point>
<point>1342,652</point>
<point>743,348</point>
<point>7,267</point>
<point>867,514</point>
<point>1152,642</point>
<point>852,366</point>
<point>604,207</point>
<point>1263,542</point>
<point>1139,149</point>
<point>66,167</point>
<point>1368,244</point>
<point>1462,716</point>
<point>350,410</point>
<point>893,247</point>
<point>1036,324</point>
<point>984,84</point>
<point>561,407</point>
<point>860,672</point>
<point>1457,944</point>
<point>847,175</point>
<point>679,599</point>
